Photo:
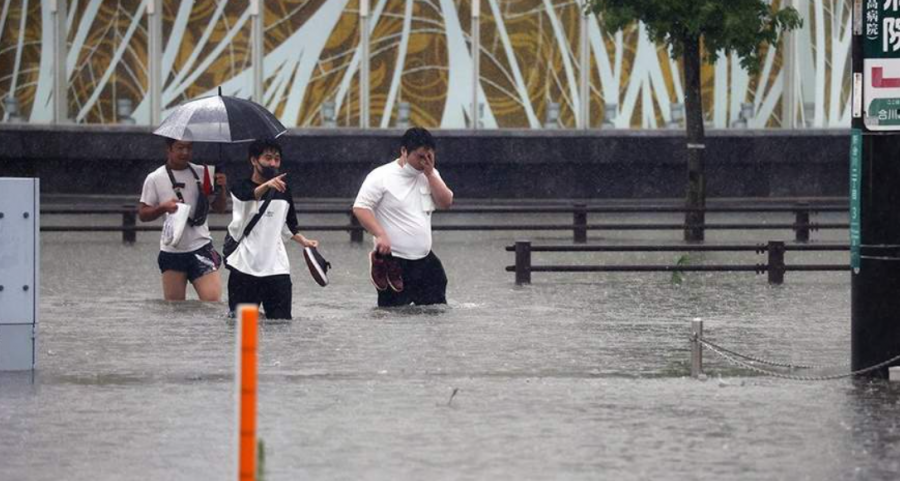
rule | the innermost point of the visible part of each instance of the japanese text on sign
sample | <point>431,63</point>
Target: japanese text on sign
<point>872,19</point>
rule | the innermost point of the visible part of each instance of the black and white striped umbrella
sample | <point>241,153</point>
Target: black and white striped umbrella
<point>220,119</point>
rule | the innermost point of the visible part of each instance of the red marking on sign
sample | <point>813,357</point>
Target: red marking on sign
<point>880,82</point>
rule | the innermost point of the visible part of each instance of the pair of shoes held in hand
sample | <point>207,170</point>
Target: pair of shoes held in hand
<point>385,272</point>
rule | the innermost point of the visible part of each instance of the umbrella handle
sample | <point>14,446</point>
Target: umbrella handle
<point>218,165</point>
<point>216,186</point>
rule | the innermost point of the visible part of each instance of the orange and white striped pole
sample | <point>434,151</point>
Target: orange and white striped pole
<point>245,379</point>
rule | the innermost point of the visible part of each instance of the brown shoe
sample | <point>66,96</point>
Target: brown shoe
<point>378,270</point>
<point>317,264</point>
<point>394,274</point>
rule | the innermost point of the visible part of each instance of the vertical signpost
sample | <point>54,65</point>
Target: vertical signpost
<point>258,49</point>
<point>364,70</point>
<point>875,184</point>
<point>19,272</point>
<point>59,14</point>
<point>154,59</point>
<point>476,61</point>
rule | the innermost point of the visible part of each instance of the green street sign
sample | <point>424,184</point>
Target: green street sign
<point>884,111</point>
<point>881,31</point>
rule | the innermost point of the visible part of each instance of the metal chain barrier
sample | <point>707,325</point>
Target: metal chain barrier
<point>817,367</point>
<point>735,360</point>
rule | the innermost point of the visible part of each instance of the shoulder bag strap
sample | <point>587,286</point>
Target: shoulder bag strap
<point>255,219</point>
<point>176,186</point>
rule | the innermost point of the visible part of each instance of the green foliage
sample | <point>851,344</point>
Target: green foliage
<point>677,276</point>
<point>260,460</point>
<point>745,27</point>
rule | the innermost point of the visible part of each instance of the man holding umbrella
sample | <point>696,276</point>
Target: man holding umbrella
<point>192,256</point>
<point>188,254</point>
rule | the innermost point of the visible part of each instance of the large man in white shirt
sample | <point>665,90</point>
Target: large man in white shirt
<point>193,257</point>
<point>395,204</point>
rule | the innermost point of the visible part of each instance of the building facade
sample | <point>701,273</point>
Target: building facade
<point>539,64</point>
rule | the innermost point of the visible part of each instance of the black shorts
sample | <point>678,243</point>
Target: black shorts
<point>195,264</point>
<point>424,283</point>
<point>273,292</point>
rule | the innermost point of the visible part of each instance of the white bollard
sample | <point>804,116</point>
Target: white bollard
<point>19,273</point>
<point>894,373</point>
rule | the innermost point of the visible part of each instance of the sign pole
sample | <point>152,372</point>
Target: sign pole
<point>875,184</point>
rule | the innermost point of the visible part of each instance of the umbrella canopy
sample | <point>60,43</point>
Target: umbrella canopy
<point>220,119</point>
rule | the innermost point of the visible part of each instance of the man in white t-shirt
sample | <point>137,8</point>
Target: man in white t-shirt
<point>395,204</point>
<point>193,258</point>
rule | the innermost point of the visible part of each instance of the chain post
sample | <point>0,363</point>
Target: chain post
<point>356,230</point>
<point>696,348</point>
<point>579,219</point>
<point>523,262</point>
<point>776,262</point>
<point>801,222</point>
<point>129,221</point>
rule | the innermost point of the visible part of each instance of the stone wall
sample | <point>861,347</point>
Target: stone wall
<point>558,164</point>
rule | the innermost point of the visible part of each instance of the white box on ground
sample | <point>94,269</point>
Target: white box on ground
<point>19,272</point>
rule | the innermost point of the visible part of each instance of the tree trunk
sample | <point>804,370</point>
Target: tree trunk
<point>693,106</point>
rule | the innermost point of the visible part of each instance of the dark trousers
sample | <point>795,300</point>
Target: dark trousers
<point>273,292</point>
<point>424,281</point>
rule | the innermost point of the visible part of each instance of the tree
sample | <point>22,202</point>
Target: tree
<point>744,27</point>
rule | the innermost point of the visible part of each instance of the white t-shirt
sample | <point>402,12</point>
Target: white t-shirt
<point>263,252</point>
<point>158,189</point>
<point>400,198</point>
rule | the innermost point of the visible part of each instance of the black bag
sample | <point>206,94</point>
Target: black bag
<point>230,245</point>
<point>201,211</point>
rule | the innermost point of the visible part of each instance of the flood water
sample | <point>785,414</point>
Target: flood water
<point>576,376</point>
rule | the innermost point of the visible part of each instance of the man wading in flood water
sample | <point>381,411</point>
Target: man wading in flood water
<point>192,257</point>
<point>395,204</point>
<point>259,265</point>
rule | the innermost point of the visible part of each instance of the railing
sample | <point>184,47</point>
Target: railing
<point>129,227</point>
<point>775,266</point>
<point>779,369</point>
<point>579,226</point>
